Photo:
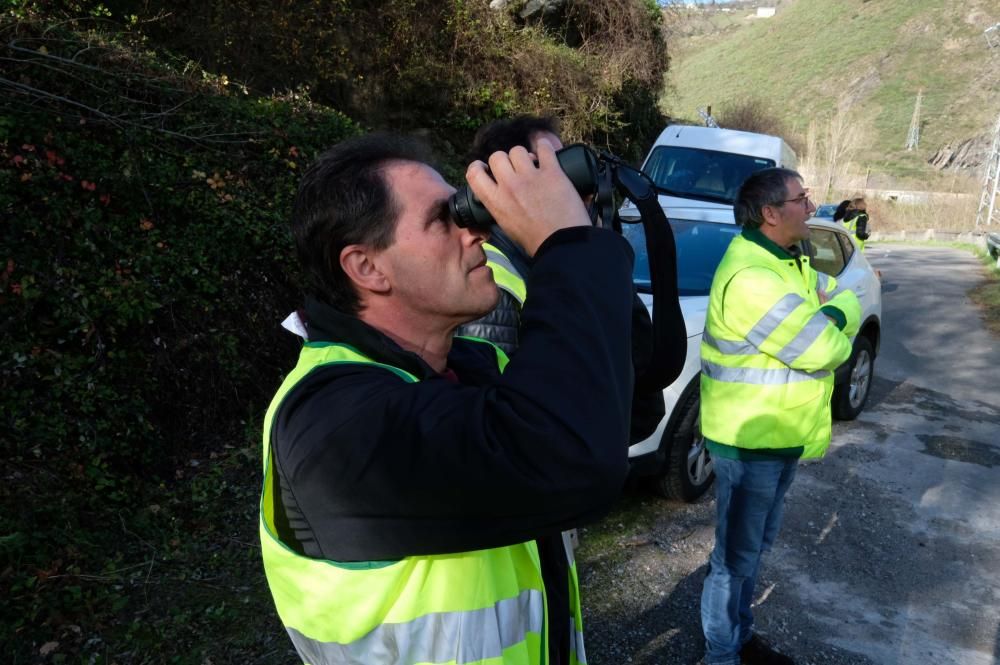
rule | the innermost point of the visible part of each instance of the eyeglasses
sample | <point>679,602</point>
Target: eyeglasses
<point>804,199</point>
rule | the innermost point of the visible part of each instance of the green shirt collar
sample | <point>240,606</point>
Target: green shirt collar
<point>758,238</point>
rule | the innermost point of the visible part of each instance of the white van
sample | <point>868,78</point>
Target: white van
<point>705,166</point>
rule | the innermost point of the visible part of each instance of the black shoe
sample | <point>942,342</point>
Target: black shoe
<point>758,652</point>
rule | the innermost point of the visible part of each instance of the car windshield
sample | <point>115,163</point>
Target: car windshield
<point>701,174</point>
<point>700,246</point>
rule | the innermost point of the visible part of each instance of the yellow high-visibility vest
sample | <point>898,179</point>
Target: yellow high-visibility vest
<point>486,607</point>
<point>506,275</point>
<point>768,351</point>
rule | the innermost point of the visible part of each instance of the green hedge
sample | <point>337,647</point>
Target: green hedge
<point>146,267</point>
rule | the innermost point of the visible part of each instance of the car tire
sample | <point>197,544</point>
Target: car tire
<point>849,398</point>
<point>688,472</point>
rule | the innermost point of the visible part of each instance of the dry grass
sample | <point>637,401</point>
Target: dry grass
<point>987,295</point>
<point>951,205</point>
<point>987,298</point>
<point>944,213</point>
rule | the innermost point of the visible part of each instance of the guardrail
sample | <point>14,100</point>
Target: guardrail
<point>993,246</point>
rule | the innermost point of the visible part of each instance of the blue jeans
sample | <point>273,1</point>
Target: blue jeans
<point>750,500</point>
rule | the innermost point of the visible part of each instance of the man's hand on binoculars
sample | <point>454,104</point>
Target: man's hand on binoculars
<point>530,202</point>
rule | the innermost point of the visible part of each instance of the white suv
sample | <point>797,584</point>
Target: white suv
<point>675,454</point>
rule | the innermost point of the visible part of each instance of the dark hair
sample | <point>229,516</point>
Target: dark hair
<point>767,187</point>
<point>841,210</point>
<point>506,134</point>
<point>342,200</point>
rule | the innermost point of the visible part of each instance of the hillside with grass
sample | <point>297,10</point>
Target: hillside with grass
<point>869,58</point>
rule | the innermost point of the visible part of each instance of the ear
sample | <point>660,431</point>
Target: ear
<point>358,263</point>
<point>770,215</point>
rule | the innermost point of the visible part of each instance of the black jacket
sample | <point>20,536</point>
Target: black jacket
<point>501,327</point>
<point>861,227</point>
<point>374,468</point>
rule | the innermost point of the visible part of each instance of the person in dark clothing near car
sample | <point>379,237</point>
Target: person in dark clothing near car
<point>408,472</point>
<point>856,221</point>
<point>842,210</point>
<point>511,266</point>
<point>509,262</point>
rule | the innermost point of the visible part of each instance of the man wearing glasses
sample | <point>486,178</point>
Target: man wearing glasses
<point>773,336</point>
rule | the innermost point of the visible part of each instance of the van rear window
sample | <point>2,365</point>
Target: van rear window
<point>701,174</point>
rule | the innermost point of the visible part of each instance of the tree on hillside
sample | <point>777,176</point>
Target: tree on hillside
<point>831,147</point>
<point>752,115</point>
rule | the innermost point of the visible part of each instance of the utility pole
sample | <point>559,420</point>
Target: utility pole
<point>913,136</point>
<point>988,212</point>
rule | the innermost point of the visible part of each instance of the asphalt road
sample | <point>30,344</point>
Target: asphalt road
<point>934,337</point>
<point>890,551</point>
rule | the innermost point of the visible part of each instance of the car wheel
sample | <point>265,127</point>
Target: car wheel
<point>849,398</point>
<point>689,469</point>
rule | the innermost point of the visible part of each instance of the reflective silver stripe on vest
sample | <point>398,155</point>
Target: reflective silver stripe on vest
<point>801,342</point>
<point>568,546</point>
<point>774,318</point>
<point>505,263</point>
<point>822,281</point>
<point>576,642</point>
<point>741,348</point>
<point>759,376</point>
<point>575,634</point>
<point>501,260</point>
<point>440,637</point>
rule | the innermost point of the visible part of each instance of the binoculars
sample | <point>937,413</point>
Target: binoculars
<point>578,162</point>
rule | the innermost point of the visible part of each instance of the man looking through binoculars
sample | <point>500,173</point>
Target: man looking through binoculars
<point>511,266</point>
<point>408,473</point>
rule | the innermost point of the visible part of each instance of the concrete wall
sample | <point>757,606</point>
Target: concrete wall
<point>913,196</point>
<point>977,239</point>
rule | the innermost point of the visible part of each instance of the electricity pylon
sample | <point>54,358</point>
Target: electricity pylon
<point>988,212</point>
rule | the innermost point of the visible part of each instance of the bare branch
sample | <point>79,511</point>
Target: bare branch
<point>48,95</point>
<point>120,121</point>
<point>48,56</point>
